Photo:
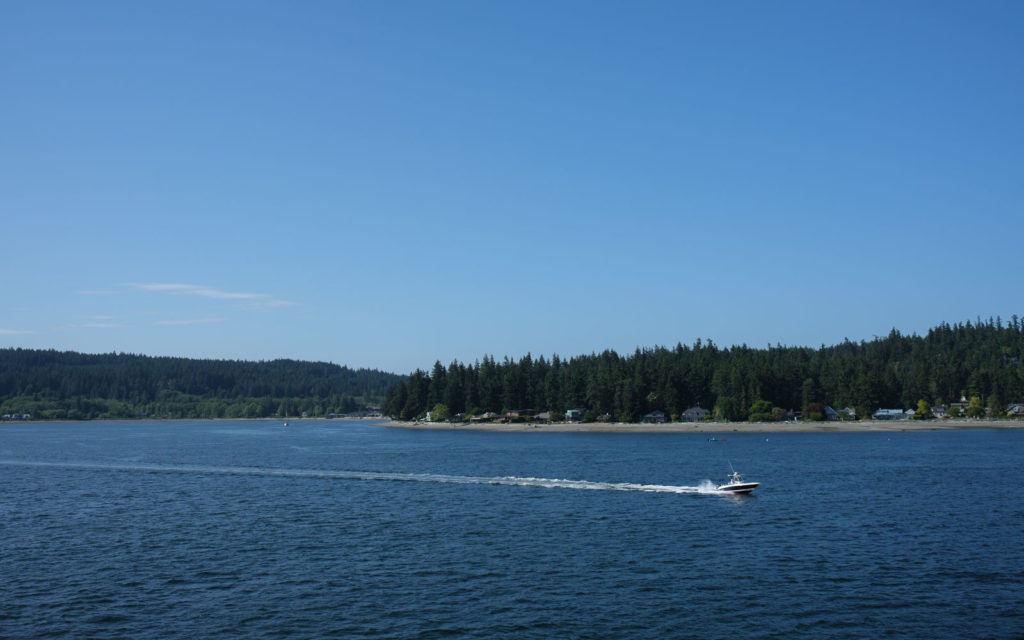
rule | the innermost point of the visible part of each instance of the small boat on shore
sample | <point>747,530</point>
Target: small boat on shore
<point>734,484</point>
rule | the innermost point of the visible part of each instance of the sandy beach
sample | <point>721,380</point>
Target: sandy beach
<point>718,427</point>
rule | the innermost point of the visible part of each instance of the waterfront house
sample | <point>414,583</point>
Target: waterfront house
<point>517,415</point>
<point>655,417</point>
<point>1015,410</point>
<point>695,414</point>
<point>891,414</point>
<point>961,408</point>
<point>846,413</point>
<point>490,416</point>
<point>574,415</point>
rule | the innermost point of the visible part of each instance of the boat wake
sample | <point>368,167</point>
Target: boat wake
<point>548,483</point>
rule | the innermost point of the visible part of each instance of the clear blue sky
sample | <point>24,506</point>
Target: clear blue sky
<point>386,184</point>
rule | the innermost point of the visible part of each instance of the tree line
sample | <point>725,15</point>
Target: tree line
<point>52,384</point>
<point>982,359</point>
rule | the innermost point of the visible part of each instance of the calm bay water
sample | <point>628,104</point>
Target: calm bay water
<point>252,529</point>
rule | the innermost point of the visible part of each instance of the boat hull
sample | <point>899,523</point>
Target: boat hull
<point>738,488</point>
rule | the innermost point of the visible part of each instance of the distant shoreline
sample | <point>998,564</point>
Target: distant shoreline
<point>606,427</point>
<point>164,419</point>
<point>716,427</point>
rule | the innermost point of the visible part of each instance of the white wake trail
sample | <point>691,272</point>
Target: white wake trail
<point>547,483</point>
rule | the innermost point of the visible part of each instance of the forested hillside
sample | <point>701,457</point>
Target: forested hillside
<point>69,385</point>
<point>983,359</point>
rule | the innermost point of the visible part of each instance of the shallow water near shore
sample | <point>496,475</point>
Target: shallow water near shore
<point>346,529</point>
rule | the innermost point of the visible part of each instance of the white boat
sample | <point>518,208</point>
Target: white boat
<point>734,484</point>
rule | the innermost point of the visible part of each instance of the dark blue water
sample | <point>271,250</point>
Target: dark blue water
<point>250,529</point>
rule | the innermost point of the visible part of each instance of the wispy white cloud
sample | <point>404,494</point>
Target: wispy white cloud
<point>270,303</point>
<point>256,300</point>
<point>96,325</point>
<point>170,323</point>
<point>16,332</point>
<point>195,290</point>
<point>96,321</point>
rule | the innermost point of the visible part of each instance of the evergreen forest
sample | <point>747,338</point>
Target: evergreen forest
<point>65,385</point>
<point>981,361</point>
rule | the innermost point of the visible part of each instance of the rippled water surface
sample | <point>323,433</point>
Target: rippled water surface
<point>253,529</point>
